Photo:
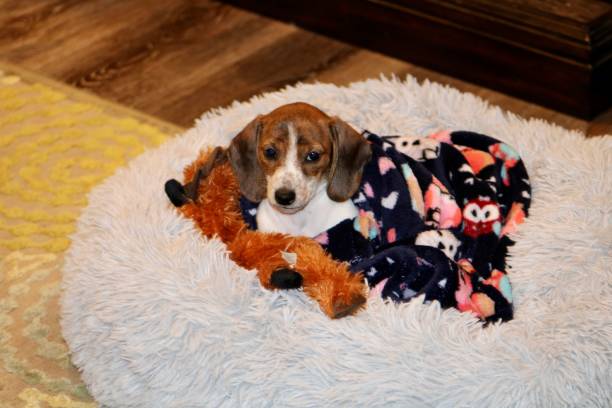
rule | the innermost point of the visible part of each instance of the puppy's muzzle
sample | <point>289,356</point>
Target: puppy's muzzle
<point>284,196</point>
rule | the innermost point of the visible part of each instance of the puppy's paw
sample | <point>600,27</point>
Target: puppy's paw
<point>176,193</point>
<point>286,278</point>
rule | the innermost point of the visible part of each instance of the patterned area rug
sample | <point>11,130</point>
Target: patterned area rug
<point>55,144</point>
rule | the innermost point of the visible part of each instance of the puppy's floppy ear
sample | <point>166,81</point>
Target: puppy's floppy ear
<point>243,158</point>
<point>350,153</point>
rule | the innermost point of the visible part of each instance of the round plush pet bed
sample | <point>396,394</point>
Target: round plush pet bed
<point>156,315</point>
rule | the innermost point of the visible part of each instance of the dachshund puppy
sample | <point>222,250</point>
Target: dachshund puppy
<point>302,166</point>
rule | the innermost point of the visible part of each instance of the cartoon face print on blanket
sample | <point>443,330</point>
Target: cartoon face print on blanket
<point>418,148</point>
<point>434,217</point>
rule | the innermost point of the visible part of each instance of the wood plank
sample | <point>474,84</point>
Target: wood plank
<point>58,35</point>
<point>165,76</point>
<point>295,57</point>
<point>175,59</point>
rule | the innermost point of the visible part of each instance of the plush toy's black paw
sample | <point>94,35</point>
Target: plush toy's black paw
<point>176,193</point>
<point>286,279</point>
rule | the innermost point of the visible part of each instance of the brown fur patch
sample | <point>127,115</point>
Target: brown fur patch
<point>312,128</point>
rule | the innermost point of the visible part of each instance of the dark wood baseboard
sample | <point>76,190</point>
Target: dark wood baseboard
<point>552,52</point>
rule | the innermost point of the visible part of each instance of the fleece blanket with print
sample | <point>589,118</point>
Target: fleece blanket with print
<point>434,217</point>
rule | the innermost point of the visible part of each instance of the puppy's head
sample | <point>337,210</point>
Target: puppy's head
<point>295,151</point>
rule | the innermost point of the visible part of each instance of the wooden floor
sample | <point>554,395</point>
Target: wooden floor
<point>175,59</point>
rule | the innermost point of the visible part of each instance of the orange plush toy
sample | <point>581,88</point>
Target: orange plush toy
<point>210,197</point>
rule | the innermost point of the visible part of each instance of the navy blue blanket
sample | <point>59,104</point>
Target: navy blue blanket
<point>434,218</point>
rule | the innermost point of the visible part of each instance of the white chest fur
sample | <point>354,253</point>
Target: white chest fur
<point>319,215</point>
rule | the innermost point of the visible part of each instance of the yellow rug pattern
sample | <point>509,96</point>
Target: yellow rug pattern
<point>56,143</point>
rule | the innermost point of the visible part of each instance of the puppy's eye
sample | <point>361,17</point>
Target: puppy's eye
<point>270,153</point>
<point>313,156</point>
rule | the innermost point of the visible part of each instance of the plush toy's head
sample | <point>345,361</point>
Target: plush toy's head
<point>481,216</point>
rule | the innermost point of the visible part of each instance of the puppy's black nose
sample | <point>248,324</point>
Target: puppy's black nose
<point>284,196</point>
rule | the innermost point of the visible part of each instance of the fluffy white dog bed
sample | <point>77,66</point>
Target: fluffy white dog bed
<point>155,315</point>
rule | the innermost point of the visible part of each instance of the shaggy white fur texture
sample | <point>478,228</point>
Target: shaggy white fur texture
<point>157,316</point>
